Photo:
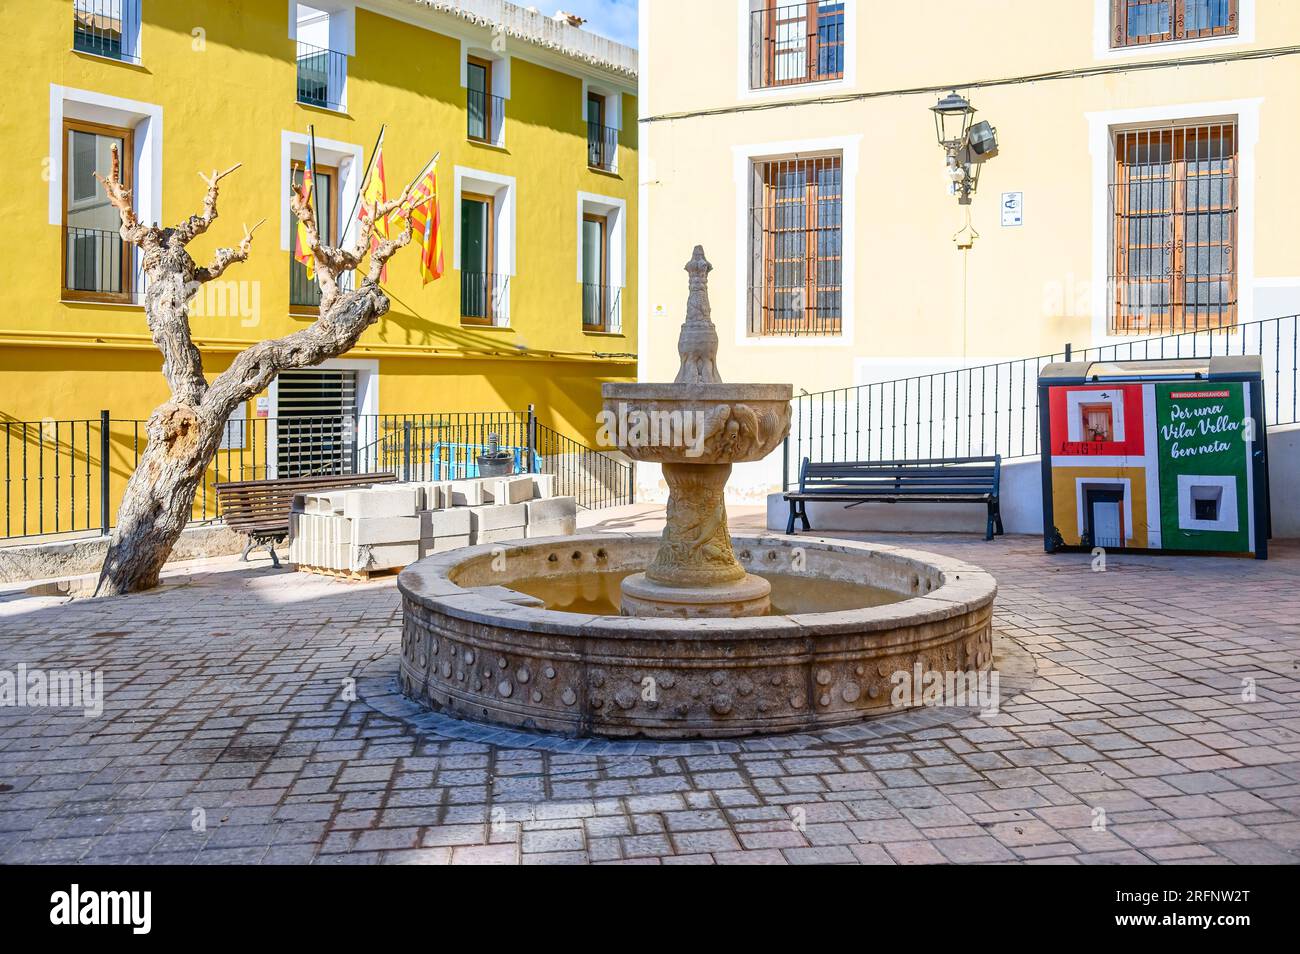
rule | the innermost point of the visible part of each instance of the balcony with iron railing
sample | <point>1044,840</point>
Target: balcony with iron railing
<point>99,266</point>
<point>601,308</point>
<point>106,28</point>
<point>485,117</point>
<point>602,147</point>
<point>484,298</point>
<point>322,77</point>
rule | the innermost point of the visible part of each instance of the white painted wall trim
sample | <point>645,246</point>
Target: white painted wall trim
<point>742,158</point>
<point>1101,36</point>
<point>146,122</point>
<point>340,25</point>
<point>796,90</point>
<point>345,156</point>
<point>615,212</point>
<point>500,66</point>
<point>503,190</point>
<point>367,370</point>
<point>145,119</point>
<point>613,99</point>
<point>613,102</point>
<point>1101,129</point>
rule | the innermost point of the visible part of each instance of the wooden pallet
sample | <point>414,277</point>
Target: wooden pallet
<point>352,576</point>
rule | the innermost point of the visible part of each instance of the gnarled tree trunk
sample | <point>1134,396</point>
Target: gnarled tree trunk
<point>185,432</point>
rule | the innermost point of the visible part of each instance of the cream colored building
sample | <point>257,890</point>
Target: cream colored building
<point>1146,164</point>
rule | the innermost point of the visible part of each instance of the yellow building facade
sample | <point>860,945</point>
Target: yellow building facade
<point>535,123</point>
<point>1139,186</point>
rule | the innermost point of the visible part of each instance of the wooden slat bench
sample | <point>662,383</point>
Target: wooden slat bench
<point>260,508</point>
<point>940,480</point>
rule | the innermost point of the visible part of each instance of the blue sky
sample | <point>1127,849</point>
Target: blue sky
<point>615,19</point>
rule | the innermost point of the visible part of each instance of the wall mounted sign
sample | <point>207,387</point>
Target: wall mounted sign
<point>1013,208</point>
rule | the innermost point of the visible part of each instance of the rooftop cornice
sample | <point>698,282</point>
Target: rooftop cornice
<point>533,27</point>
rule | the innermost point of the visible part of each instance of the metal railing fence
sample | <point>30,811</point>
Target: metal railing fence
<point>53,478</point>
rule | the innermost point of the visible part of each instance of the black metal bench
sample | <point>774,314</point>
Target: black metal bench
<point>941,480</point>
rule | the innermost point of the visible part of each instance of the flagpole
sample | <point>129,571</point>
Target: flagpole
<point>369,165</point>
<point>311,161</point>
<point>420,175</point>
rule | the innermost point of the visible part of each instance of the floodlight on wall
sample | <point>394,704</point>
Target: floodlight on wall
<point>983,140</point>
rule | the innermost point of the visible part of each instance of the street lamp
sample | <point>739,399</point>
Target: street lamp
<point>965,146</point>
<point>952,116</point>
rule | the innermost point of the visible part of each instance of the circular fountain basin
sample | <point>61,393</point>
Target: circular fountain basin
<point>472,646</point>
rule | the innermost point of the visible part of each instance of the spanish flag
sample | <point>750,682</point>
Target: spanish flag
<point>375,194</point>
<point>302,245</point>
<point>426,229</point>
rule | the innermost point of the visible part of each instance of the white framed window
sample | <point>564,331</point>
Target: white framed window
<point>108,28</point>
<point>138,133</point>
<point>1126,28</point>
<point>324,419</point>
<point>1109,128</point>
<point>346,158</point>
<point>485,77</point>
<point>325,38</point>
<point>795,218</point>
<point>602,113</point>
<point>786,46</point>
<point>483,224</point>
<point>602,261</point>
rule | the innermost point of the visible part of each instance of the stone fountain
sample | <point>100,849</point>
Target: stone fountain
<point>693,633</point>
<point>696,428</point>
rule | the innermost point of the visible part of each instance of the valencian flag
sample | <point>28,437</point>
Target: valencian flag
<point>374,194</point>
<point>302,244</point>
<point>426,229</point>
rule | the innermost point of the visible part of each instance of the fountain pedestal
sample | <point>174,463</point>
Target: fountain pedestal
<point>695,572</point>
<point>696,428</point>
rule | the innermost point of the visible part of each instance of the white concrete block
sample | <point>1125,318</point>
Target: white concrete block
<point>543,485</point>
<point>511,490</point>
<point>440,544</point>
<point>467,493</point>
<point>444,523</point>
<point>551,508</point>
<point>500,535</point>
<point>557,527</point>
<point>380,502</point>
<point>497,517</point>
<point>383,556</point>
<point>434,495</point>
<point>386,530</point>
<point>335,542</point>
<point>326,502</point>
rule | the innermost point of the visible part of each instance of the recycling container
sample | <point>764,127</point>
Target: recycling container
<point>1163,455</point>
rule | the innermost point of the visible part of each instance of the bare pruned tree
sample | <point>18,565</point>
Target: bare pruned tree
<point>184,433</point>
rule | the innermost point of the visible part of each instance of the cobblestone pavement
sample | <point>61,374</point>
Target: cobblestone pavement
<point>227,710</point>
